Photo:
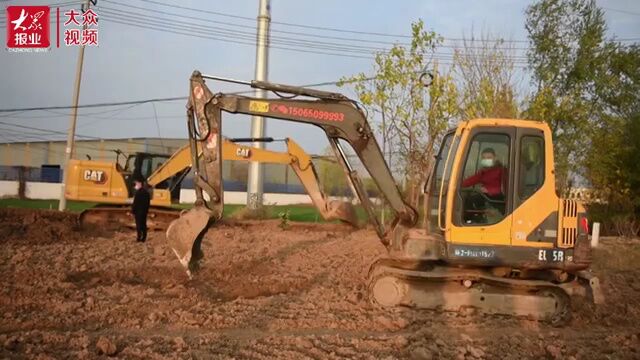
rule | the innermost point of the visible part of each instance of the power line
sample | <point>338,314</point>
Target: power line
<point>143,19</point>
<point>622,11</point>
<point>185,33</point>
<point>3,17</point>
<point>193,32</point>
<point>91,114</point>
<point>243,35</point>
<point>323,28</point>
<point>106,104</point>
<point>200,10</point>
<point>89,137</point>
<point>95,105</point>
<point>253,28</point>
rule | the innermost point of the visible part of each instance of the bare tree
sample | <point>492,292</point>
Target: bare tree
<point>485,70</point>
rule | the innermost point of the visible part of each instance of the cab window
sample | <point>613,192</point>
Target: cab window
<point>484,184</point>
<point>440,180</point>
<point>156,163</point>
<point>531,166</point>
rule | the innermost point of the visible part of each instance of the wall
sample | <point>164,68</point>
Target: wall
<point>188,196</point>
<point>8,189</point>
<point>39,190</point>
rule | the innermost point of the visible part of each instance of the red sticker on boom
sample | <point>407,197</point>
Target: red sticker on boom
<point>308,113</point>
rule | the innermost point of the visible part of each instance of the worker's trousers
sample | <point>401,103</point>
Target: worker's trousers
<point>141,227</point>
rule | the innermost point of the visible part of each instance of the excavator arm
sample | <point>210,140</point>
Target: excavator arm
<point>302,165</point>
<point>177,163</point>
<point>338,116</point>
<point>295,157</point>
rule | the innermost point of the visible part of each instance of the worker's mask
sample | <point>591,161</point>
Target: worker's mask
<point>487,162</point>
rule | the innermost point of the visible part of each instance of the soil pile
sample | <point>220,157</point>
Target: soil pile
<point>38,227</point>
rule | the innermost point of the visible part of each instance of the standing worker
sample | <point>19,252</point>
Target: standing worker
<point>140,209</point>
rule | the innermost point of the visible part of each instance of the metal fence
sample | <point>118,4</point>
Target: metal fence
<point>49,174</point>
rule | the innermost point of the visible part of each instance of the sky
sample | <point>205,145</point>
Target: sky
<point>133,62</point>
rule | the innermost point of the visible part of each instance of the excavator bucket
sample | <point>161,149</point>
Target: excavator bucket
<point>185,235</point>
<point>343,211</point>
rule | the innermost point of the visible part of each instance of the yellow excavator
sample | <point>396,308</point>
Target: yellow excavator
<point>111,184</point>
<point>517,250</point>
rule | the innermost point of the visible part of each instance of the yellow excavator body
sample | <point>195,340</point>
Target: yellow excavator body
<point>495,237</point>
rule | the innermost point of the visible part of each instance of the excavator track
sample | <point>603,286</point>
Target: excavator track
<point>440,287</point>
<point>157,219</point>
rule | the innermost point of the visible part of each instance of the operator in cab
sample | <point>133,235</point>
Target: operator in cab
<point>140,209</point>
<point>492,179</point>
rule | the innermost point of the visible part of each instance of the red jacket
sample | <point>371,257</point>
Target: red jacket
<point>492,179</point>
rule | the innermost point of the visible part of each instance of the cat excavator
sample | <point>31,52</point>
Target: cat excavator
<point>111,184</point>
<point>521,254</point>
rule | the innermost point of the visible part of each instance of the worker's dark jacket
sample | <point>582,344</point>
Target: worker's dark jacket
<point>141,201</point>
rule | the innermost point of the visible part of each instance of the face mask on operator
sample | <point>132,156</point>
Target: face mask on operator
<point>487,162</point>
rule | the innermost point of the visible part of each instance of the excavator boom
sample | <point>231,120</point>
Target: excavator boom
<point>337,115</point>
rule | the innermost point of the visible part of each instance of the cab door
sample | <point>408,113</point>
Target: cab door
<point>481,196</point>
<point>535,215</point>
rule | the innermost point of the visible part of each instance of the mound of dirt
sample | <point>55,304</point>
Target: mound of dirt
<point>266,293</point>
<point>38,226</point>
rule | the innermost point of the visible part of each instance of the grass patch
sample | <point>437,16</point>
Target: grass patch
<point>301,213</point>
<point>74,206</point>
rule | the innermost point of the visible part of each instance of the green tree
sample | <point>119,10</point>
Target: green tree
<point>614,173</point>
<point>565,56</point>
<point>412,117</point>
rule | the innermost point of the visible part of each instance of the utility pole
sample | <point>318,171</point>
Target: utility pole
<point>68,153</point>
<point>255,178</point>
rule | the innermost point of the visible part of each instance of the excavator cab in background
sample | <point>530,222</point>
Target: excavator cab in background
<point>502,243</point>
<point>112,182</point>
<point>143,165</point>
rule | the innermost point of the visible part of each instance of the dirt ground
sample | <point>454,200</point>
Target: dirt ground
<point>264,292</point>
